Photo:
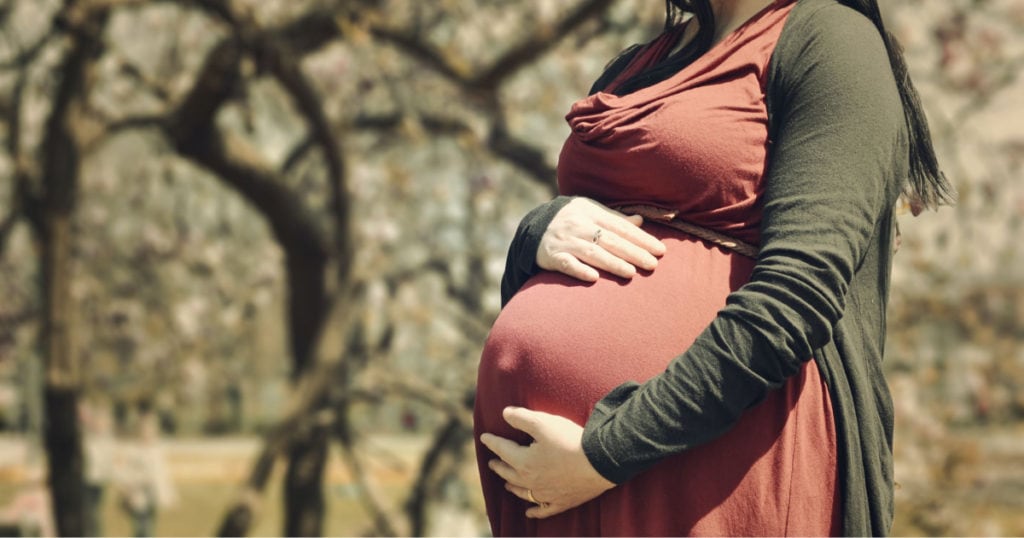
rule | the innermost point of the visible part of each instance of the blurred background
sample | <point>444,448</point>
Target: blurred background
<point>250,250</point>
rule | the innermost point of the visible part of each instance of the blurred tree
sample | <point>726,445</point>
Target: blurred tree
<point>321,192</point>
<point>208,118</point>
<point>48,198</point>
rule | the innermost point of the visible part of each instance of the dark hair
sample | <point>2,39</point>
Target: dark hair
<point>928,186</point>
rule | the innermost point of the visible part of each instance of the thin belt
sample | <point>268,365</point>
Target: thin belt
<point>669,218</point>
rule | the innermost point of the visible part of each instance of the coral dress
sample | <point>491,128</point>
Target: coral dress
<point>695,143</point>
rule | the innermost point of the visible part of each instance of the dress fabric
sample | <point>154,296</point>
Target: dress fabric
<point>696,143</point>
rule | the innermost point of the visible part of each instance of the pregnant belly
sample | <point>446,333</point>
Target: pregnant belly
<point>560,345</point>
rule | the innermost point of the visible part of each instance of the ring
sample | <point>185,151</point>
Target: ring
<point>597,236</point>
<point>531,498</point>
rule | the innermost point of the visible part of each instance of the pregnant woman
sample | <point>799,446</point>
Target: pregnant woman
<point>728,376</point>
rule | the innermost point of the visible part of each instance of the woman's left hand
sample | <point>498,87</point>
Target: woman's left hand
<point>553,471</point>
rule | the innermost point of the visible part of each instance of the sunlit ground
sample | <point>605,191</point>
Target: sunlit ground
<point>984,491</point>
<point>207,474</point>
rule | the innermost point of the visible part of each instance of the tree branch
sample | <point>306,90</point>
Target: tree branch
<point>487,79</point>
<point>525,157</point>
<point>26,55</point>
<point>456,71</point>
<point>517,152</point>
<point>121,125</point>
<point>7,226</point>
<point>450,439</point>
<point>384,522</point>
<point>308,33</point>
<point>154,88</point>
<point>154,121</point>
<point>192,131</point>
<point>437,125</point>
<point>528,50</point>
<point>282,62</point>
<point>297,153</point>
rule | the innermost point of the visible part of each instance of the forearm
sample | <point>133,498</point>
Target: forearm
<point>521,262</point>
<point>838,161</point>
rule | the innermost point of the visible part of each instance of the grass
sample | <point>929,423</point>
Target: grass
<point>207,474</point>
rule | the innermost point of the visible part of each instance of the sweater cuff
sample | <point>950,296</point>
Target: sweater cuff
<point>597,446</point>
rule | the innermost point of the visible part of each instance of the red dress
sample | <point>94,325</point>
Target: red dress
<point>696,143</point>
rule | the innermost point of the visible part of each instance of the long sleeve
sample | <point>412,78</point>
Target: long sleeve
<point>836,166</point>
<point>521,263</point>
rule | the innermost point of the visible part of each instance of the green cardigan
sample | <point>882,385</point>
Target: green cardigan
<point>838,161</point>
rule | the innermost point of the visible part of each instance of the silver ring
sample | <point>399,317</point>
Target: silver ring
<point>597,236</point>
<point>531,498</point>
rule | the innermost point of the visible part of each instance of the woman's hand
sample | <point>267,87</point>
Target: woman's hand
<point>586,236</point>
<point>553,471</point>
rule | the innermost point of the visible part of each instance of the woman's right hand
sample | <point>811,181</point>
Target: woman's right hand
<point>586,236</point>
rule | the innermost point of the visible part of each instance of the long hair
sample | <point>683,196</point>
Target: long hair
<point>927,186</point>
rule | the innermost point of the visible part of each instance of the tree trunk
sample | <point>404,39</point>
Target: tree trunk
<point>52,225</point>
<point>303,489</point>
<point>195,135</point>
<point>64,455</point>
<point>61,436</point>
<point>60,393</point>
<point>307,456</point>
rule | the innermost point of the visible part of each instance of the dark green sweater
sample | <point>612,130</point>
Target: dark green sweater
<point>838,160</point>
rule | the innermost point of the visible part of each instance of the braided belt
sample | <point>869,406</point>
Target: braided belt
<point>668,218</point>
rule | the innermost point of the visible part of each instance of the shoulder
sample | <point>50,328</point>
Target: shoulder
<point>828,20</point>
<point>827,47</point>
<point>819,30</point>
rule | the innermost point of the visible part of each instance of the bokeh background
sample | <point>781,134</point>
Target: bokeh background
<point>250,250</point>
